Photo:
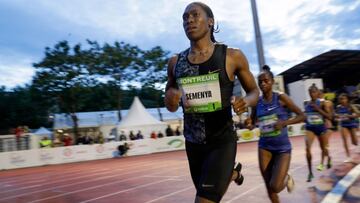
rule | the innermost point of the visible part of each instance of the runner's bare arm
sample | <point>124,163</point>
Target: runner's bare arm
<point>172,94</point>
<point>251,120</point>
<point>323,110</point>
<point>355,111</point>
<point>246,78</point>
<point>300,116</point>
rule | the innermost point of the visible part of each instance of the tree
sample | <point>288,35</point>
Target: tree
<point>64,74</point>
<point>155,76</point>
<point>74,77</point>
<point>23,106</point>
<point>128,64</point>
<point>119,62</point>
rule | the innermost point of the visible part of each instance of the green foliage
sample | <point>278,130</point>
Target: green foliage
<point>23,106</point>
<point>80,78</point>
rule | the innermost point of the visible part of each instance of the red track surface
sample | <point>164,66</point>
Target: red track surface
<point>162,177</point>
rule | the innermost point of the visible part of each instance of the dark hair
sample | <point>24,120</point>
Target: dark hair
<point>266,69</point>
<point>344,95</point>
<point>313,86</point>
<point>209,14</point>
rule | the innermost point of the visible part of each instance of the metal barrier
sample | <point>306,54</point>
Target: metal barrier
<point>12,143</point>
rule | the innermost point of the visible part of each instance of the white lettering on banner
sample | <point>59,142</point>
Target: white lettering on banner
<point>100,149</point>
<point>17,159</point>
<point>46,156</point>
<point>68,152</point>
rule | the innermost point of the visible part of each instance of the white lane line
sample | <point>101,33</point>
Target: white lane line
<point>157,176</point>
<point>72,169</point>
<point>248,167</point>
<point>76,183</point>
<point>170,194</point>
<point>261,185</point>
<point>71,173</point>
<point>40,174</point>
<point>336,194</point>
<point>246,192</point>
<point>50,183</point>
<point>92,173</point>
<point>84,189</point>
<point>121,191</point>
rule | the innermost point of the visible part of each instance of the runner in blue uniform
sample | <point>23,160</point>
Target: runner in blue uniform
<point>347,115</point>
<point>316,111</point>
<point>202,77</point>
<point>272,116</point>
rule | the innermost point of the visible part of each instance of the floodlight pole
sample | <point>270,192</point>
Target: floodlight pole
<point>259,44</point>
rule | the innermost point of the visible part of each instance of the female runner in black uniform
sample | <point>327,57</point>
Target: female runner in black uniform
<point>202,77</point>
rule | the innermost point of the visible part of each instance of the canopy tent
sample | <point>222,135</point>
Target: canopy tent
<point>138,118</point>
<point>42,131</point>
<point>38,135</point>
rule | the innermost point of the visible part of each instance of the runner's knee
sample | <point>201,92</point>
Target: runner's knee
<point>276,187</point>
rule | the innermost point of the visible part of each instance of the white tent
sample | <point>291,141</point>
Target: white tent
<point>37,136</point>
<point>42,131</point>
<point>138,118</point>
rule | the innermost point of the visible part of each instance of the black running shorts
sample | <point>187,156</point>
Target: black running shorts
<point>211,167</point>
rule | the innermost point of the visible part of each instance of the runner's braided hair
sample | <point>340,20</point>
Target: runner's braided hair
<point>266,69</point>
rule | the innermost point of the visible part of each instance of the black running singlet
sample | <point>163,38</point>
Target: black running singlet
<point>208,86</point>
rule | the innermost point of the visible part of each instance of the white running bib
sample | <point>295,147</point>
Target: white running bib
<point>201,93</point>
<point>314,119</point>
<point>267,125</point>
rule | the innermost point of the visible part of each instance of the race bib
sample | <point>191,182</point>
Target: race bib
<point>343,117</point>
<point>314,119</point>
<point>267,126</point>
<point>201,93</point>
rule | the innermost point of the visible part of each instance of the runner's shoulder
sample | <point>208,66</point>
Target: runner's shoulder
<point>282,95</point>
<point>234,52</point>
<point>306,102</point>
<point>236,56</point>
<point>172,61</point>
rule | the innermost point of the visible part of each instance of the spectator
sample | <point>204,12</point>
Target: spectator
<point>18,133</point>
<point>153,135</point>
<point>123,149</point>
<point>45,142</point>
<point>88,139</point>
<point>25,129</point>
<point>139,135</point>
<point>85,139</point>
<point>132,136</point>
<point>67,140</point>
<point>80,140</point>
<point>57,142</point>
<point>100,138</point>
<point>160,135</point>
<point>122,136</point>
<point>169,132</point>
<point>177,131</point>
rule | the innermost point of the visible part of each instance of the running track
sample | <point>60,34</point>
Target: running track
<point>162,177</point>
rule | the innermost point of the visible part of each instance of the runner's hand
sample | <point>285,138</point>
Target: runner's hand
<point>239,104</point>
<point>279,125</point>
<point>172,96</point>
<point>316,107</point>
<point>248,123</point>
